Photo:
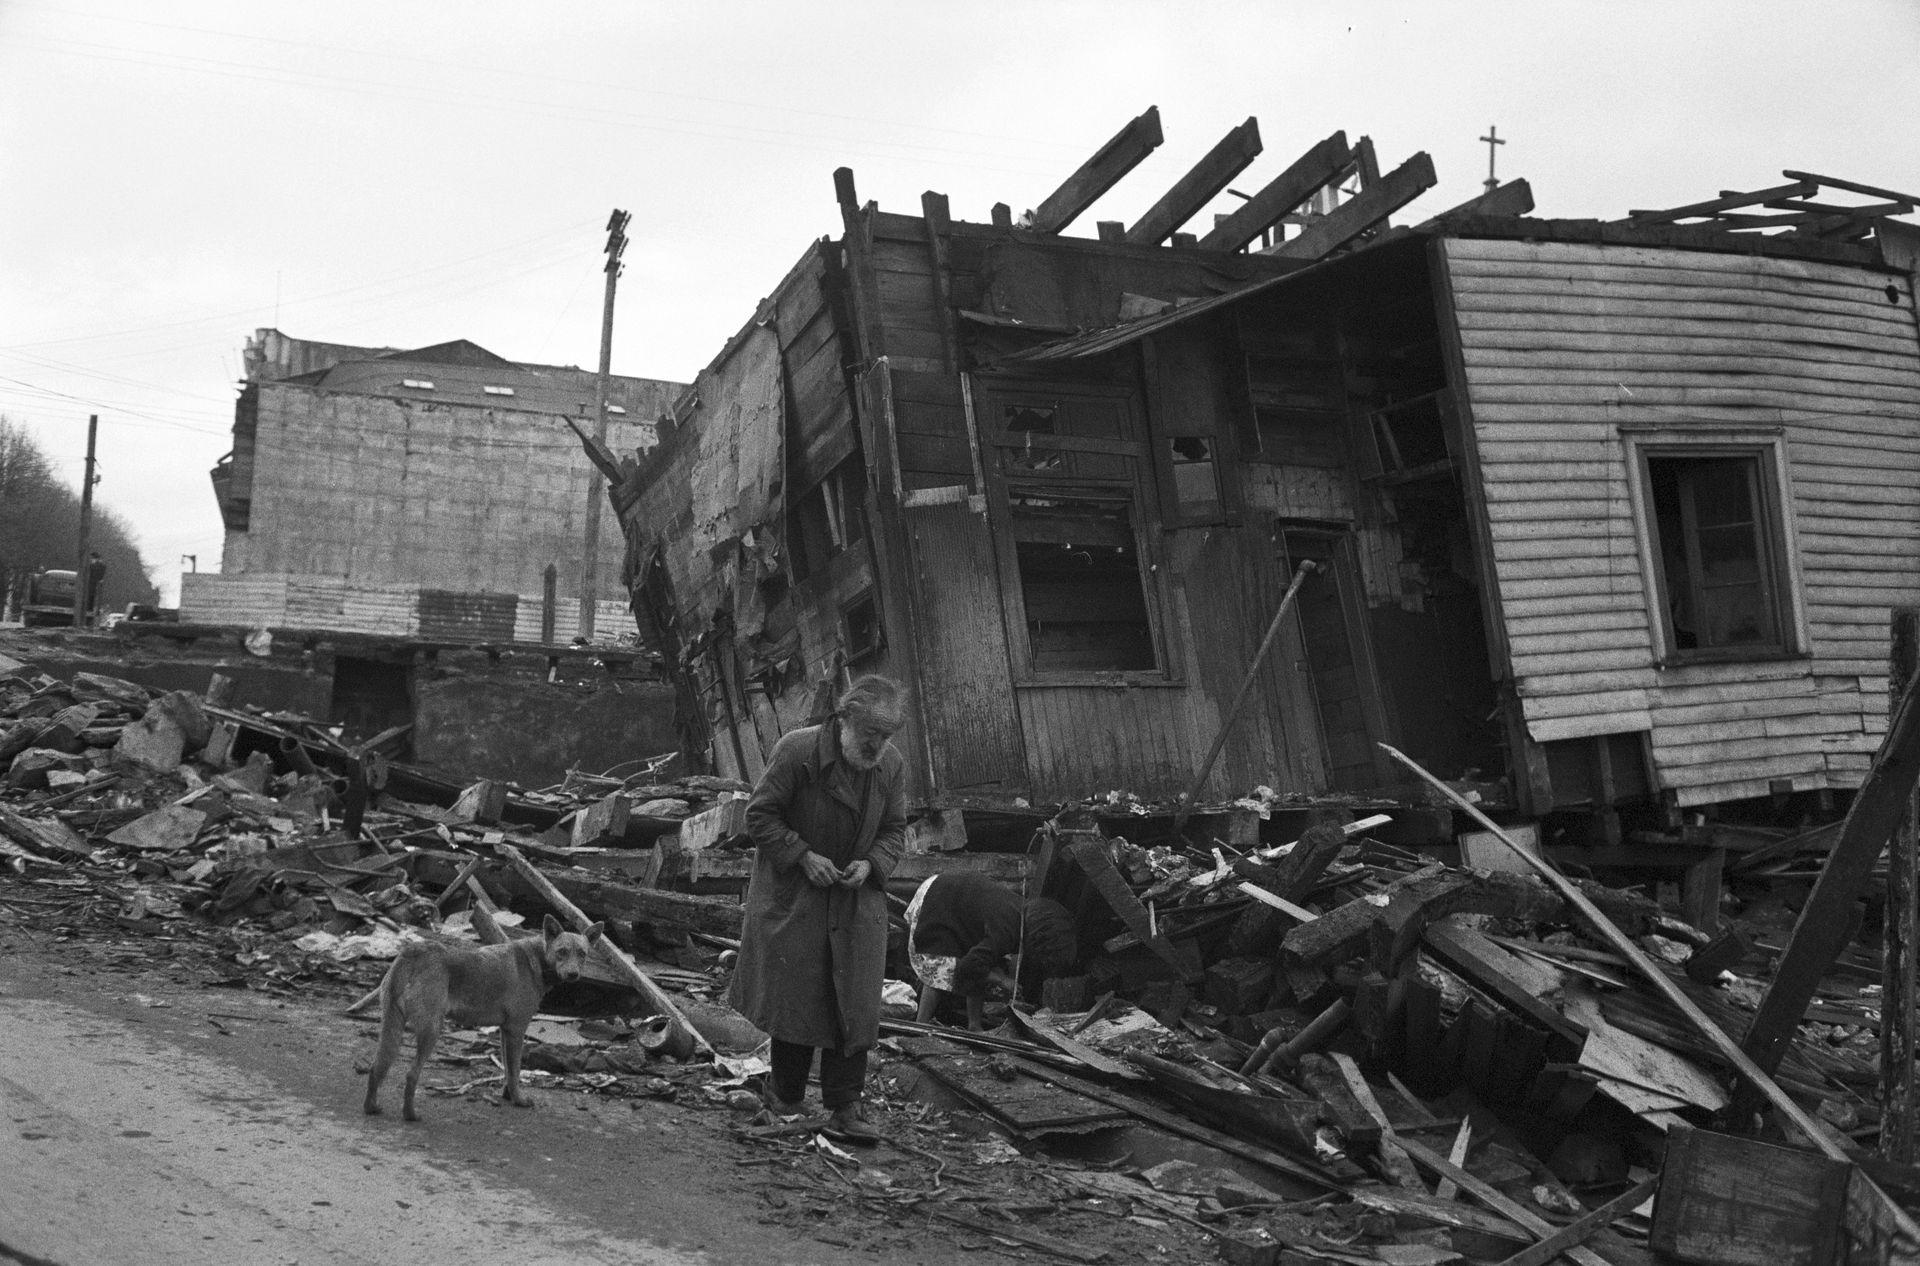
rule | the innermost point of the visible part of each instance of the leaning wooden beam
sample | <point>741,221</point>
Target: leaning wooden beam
<point>1280,195</point>
<point>681,1035</point>
<point>1894,1220</point>
<point>1369,207</point>
<point>1508,1208</point>
<point>1197,188</point>
<point>1726,202</point>
<point>1851,186</point>
<point>1663,983</point>
<point>1089,849</point>
<point>1098,174</point>
<point>1585,1227</point>
<point>1824,925</point>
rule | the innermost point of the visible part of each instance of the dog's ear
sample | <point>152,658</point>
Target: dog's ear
<point>596,933</point>
<point>550,928</point>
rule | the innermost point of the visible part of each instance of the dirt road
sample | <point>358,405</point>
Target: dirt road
<point>152,1120</point>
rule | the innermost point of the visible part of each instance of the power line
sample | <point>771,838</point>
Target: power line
<point>516,73</point>
<point>574,231</point>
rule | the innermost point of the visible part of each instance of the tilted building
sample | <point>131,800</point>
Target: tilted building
<point>1606,517</point>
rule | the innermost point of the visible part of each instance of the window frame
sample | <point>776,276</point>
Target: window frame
<point>1766,447</point>
<point>1137,489</point>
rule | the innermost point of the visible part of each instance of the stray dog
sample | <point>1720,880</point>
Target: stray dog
<point>433,982</point>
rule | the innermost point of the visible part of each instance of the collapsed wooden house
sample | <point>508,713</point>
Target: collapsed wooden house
<point>1602,513</point>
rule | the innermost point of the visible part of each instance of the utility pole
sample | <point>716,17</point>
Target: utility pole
<point>590,550</point>
<point>83,572</point>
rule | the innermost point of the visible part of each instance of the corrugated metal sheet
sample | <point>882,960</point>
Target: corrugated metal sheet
<point>612,620</point>
<point>211,598</point>
<point>447,616</point>
<point>1564,344</point>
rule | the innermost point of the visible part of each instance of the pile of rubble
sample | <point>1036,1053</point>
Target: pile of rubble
<point>1420,1062</point>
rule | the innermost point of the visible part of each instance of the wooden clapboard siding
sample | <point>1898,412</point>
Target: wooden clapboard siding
<point>1139,740</point>
<point>1562,344</point>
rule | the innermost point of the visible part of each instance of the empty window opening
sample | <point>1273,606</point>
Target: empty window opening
<point>1718,565</point>
<point>492,390</point>
<point>418,384</point>
<point>1081,585</point>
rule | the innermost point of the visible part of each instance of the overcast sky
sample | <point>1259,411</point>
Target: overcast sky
<point>400,173</point>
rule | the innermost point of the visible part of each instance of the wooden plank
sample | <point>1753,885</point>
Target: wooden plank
<point>1471,955</point>
<point>1178,1124</point>
<point>1323,162</point>
<point>1139,138</point>
<point>681,1033</point>
<point>1508,1208</point>
<point>1513,198</point>
<point>1798,189</point>
<point>1367,209</point>
<point>1089,849</point>
<point>1227,159</point>
<point>1587,1225</point>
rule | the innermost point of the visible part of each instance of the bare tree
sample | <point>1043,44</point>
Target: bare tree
<point>40,525</point>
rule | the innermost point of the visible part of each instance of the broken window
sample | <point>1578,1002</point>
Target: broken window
<point>1081,583</point>
<point>1194,478</point>
<point>1715,540</point>
<point>861,619</point>
<point>828,519</point>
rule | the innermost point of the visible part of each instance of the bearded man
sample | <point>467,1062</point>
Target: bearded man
<point>829,822</point>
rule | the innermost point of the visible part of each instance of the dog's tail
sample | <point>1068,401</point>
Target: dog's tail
<point>367,1001</point>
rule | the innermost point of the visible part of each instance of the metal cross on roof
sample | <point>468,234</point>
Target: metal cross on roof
<point>1492,138</point>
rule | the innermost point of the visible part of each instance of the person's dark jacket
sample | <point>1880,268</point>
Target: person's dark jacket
<point>812,960</point>
<point>971,918</point>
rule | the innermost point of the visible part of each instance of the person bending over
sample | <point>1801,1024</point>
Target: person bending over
<point>963,928</point>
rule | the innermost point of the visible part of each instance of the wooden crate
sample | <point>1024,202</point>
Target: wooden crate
<point>1731,1201</point>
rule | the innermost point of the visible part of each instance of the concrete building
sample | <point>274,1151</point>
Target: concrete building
<point>416,493</point>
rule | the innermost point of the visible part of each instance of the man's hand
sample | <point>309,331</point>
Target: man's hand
<point>856,873</point>
<point>820,872</point>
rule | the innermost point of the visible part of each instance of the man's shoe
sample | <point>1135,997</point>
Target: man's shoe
<point>778,1106</point>
<point>850,1125</point>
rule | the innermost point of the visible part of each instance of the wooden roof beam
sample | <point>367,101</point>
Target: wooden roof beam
<point>1282,194</point>
<point>1194,190</point>
<point>1829,208</point>
<point>1726,202</point>
<point>1851,186</point>
<point>1098,174</point>
<point>1515,198</point>
<point>1369,207</point>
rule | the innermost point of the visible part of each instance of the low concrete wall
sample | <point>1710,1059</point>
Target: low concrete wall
<point>531,732</point>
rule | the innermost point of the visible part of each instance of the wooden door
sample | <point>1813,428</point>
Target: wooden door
<point>973,730</point>
<point>1331,611</point>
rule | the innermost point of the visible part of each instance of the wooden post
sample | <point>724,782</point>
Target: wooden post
<point>590,547</point>
<point>83,596</point>
<point>1900,941</point>
<point>1826,921</point>
<point>681,1035</point>
<point>549,603</point>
